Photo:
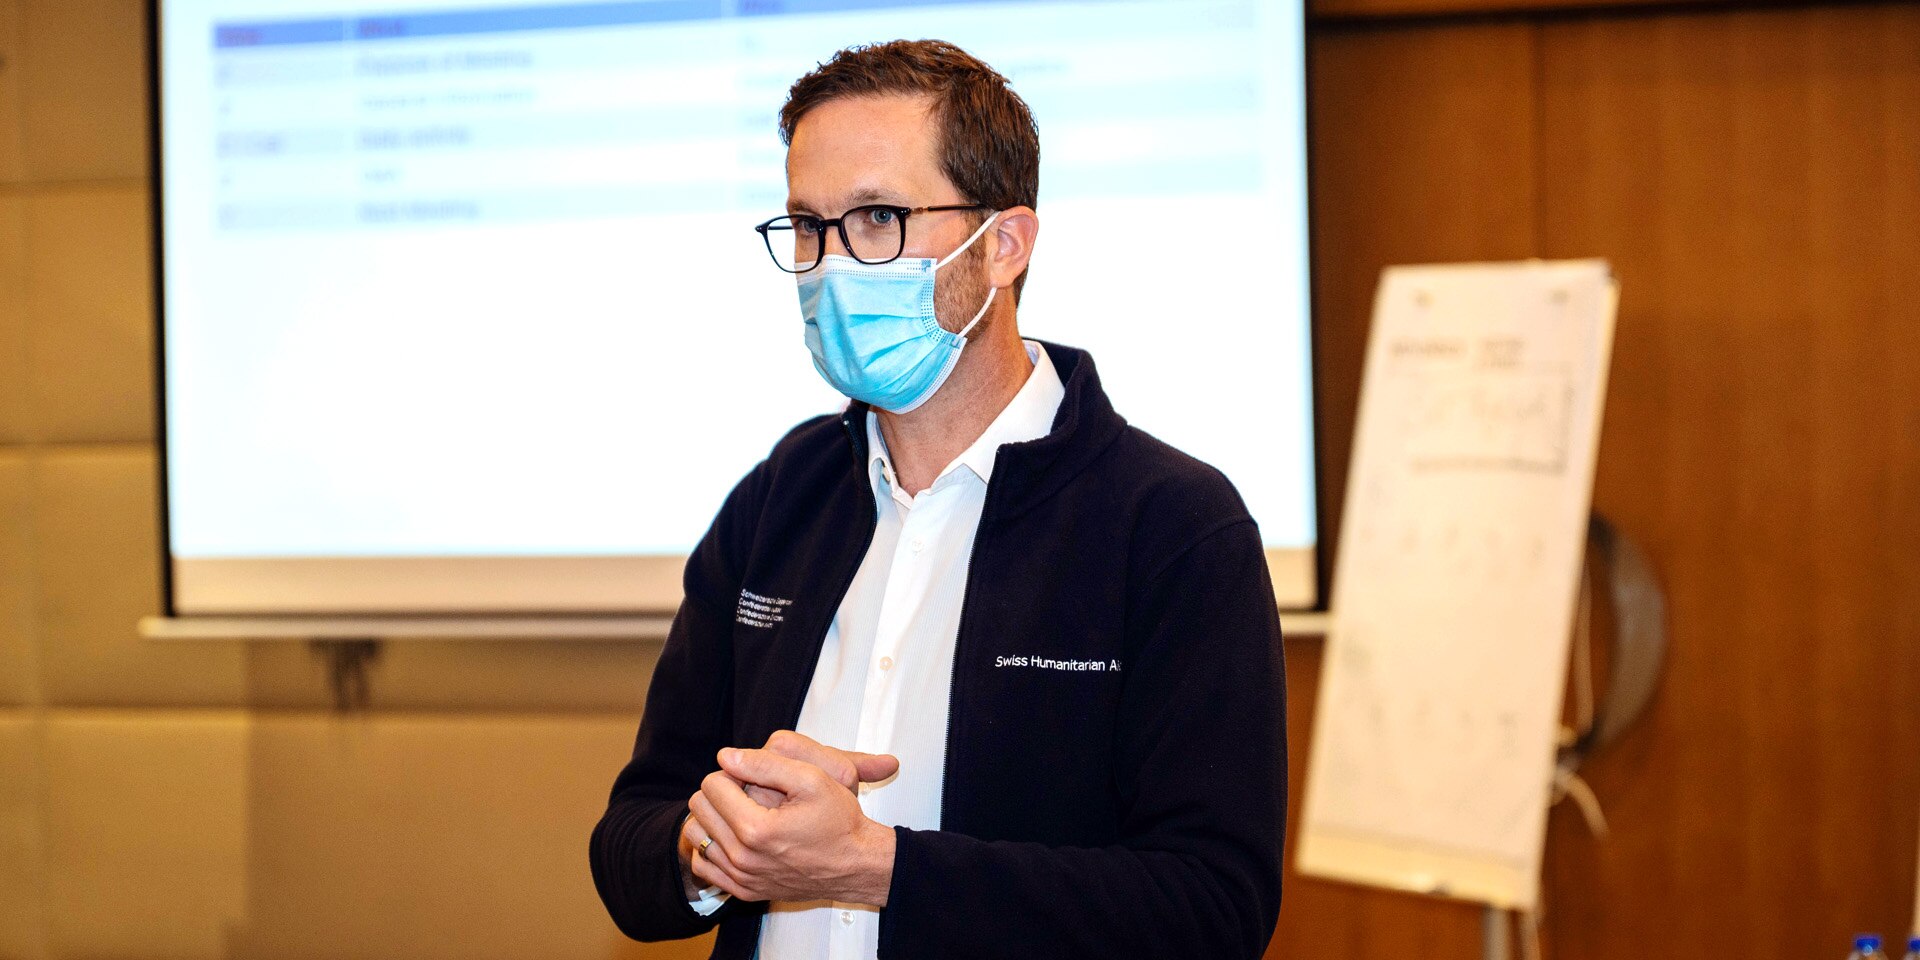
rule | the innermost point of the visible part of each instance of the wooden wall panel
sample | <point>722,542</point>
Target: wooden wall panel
<point>1754,174</point>
<point>1359,9</point>
<point>1754,177</point>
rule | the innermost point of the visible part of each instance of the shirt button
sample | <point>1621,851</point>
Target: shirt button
<point>917,544</point>
<point>886,663</point>
<point>846,916</point>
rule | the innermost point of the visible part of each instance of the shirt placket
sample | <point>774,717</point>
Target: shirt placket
<point>900,606</point>
<point>879,703</point>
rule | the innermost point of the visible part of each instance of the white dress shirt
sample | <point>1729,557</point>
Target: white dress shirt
<point>885,673</point>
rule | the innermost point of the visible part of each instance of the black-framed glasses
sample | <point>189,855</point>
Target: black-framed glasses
<point>874,233</point>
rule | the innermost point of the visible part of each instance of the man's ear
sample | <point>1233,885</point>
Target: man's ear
<point>1013,236</point>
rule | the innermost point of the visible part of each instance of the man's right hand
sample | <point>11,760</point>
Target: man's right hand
<point>849,768</point>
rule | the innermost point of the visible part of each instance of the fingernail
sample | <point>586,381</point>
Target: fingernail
<point>731,755</point>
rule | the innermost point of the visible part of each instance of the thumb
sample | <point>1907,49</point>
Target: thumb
<point>768,769</point>
<point>874,767</point>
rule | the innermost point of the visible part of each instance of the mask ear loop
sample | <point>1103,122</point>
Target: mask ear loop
<point>983,312</point>
<point>990,290</point>
<point>963,247</point>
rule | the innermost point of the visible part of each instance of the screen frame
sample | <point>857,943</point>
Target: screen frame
<point>156,213</point>
<point>1324,531</point>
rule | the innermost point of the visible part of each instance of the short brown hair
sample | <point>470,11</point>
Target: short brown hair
<point>989,145</point>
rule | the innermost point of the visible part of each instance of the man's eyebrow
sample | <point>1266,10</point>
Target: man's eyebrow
<point>860,197</point>
<point>866,195</point>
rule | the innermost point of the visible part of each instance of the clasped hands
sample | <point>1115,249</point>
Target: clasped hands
<point>786,824</point>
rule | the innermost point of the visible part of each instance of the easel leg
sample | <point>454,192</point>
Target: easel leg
<point>1496,942</point>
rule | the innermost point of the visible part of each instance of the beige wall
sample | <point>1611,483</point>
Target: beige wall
<point>199,799</point>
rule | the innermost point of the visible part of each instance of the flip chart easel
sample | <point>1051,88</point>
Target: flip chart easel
<point>1455,587</point>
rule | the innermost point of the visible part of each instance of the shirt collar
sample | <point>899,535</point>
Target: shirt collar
<point>1028,416</point>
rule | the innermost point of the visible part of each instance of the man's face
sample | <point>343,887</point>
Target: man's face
<point>883,149</point>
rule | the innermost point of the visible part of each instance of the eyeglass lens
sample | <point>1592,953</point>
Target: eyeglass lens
<point>873,234</point>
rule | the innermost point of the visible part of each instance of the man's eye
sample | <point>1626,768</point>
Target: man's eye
<point>807,227</point>
<point>881,217</point>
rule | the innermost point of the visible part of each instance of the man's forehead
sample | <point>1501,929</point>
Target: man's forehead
<point>866,149</point>
<point>868,113</point>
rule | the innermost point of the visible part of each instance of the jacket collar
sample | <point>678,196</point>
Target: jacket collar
<point>1029,472</point>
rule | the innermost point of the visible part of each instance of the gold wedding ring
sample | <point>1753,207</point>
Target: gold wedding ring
<point>704,844</point>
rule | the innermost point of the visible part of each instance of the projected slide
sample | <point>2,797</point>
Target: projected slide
<point>463,309</point>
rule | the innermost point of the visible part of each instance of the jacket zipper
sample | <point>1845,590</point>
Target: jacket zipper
<point>820,642</point>
<point>953,683</point>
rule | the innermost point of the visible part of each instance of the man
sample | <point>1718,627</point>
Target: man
<point>973,669</point>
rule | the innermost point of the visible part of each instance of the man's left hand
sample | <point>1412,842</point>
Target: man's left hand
<point>816,845</point>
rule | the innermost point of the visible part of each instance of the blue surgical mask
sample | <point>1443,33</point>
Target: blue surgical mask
<point>871,327</point>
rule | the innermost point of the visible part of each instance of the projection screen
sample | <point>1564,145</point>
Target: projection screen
<point>461,308</point>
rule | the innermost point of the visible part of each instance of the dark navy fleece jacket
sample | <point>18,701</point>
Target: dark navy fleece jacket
<point>1133,811</point>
